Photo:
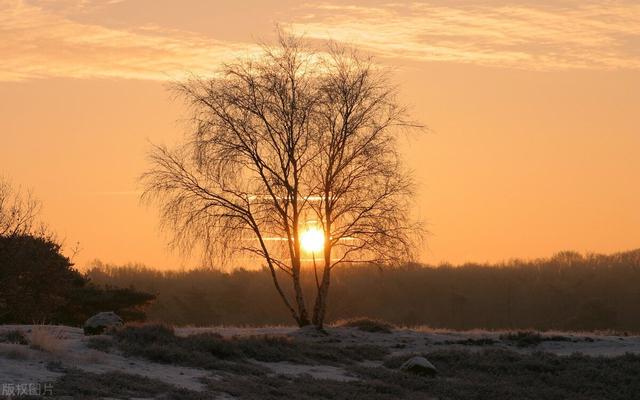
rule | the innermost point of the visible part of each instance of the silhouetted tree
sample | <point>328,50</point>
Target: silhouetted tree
<point>36,279</point>
<point>39,284</point>
<point>292,138</point>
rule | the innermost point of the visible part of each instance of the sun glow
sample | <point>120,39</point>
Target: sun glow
<point>312,240</point>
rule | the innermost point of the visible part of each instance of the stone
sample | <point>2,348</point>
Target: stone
<point>100,322</point>
<point>419,366</point>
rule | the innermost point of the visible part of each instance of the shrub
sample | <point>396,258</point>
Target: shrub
<point>470,342</point>
<point>33,268</point>
<point>45,339</point>
<point>524,338</point>
<point>101,343</point>
<point>14,336</point>
<point>367,325</point>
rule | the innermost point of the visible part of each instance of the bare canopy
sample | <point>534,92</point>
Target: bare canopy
<point>19,210</point>
<point>291,141</point>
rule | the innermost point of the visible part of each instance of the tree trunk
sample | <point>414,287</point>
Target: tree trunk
<point>303,317</point>
<point>320,307</point>
<point>295,251</point>
<point>274,277</point>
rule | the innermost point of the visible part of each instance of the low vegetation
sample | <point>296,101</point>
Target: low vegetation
<point>470,342</point>
<point>82,384</point>
<point>367,325</point>
<point>242,367</point>
<point>44,339</point>
<point>489,374</point>
<point>14,337</point>
<point>211,351</point>
<point>529,338</point>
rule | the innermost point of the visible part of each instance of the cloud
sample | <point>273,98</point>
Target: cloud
<point>604,35</point>
<point>51,38</point>
<point>41,41</point>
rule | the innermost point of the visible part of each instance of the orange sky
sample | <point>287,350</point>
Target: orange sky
<point>533,109</point>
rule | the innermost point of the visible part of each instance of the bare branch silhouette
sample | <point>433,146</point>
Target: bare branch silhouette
<point>19,211</point>
<point>292,137</point>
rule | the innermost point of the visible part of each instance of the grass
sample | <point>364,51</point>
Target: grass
<point>43,338</point>
<point>211,351</point>
<point>530,338</point>
<point>367,325</point>
<point>81,384</point>
<point>490,374</point>
<point>308,388</point>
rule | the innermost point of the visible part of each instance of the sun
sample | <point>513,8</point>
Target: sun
<point>312,240</point>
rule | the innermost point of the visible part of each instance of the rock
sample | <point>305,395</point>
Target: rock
<point>420,366</point>
<point>100,322</point>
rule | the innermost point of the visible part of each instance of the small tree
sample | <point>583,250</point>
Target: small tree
<point>292,140</point>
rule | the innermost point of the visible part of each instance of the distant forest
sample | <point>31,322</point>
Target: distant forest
<point>568,291</point>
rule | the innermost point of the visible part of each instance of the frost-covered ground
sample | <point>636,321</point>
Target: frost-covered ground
<point>427,339</point>
<point>63,357</point>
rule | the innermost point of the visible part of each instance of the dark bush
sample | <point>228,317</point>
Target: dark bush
<point>39,284</point>
<point>367,325</point>
<point>16,337</point>
<point>101,343</point>
<point>523,339</point>
<point>470,342</point>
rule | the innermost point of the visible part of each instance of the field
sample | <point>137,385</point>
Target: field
<point>360,359</point>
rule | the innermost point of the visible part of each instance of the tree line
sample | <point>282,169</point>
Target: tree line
<point>568,291</point>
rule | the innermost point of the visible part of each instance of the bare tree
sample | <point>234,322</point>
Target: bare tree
<point>19,210</point>
<point>292,138</point>
<point>364,192</point>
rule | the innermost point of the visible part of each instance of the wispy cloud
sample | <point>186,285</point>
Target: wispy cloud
<point>601,35</point>
<point>49,38</point>
<point>41,40</point>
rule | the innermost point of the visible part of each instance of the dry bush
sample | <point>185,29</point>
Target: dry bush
<point>47,339</point>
